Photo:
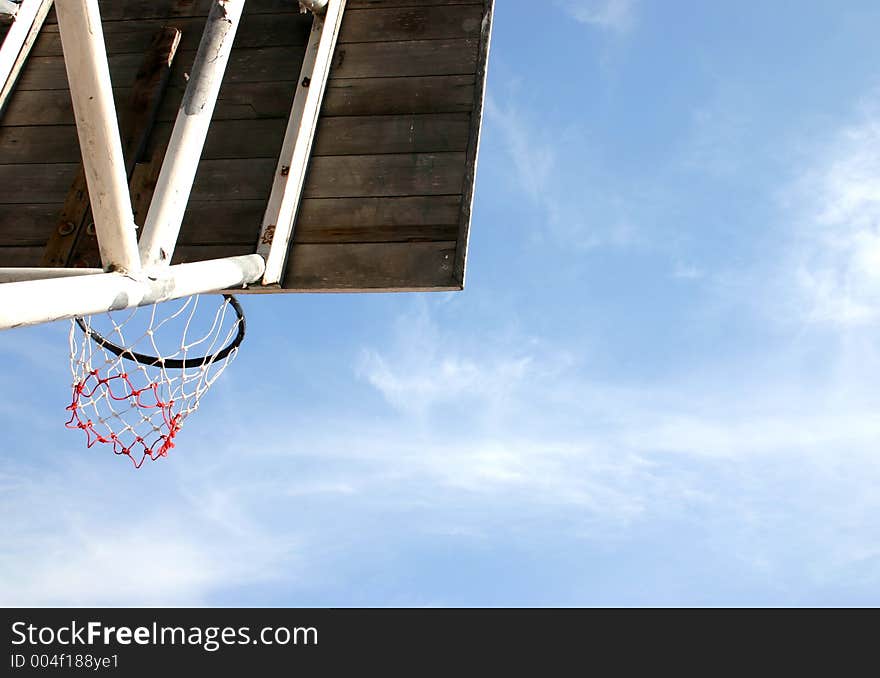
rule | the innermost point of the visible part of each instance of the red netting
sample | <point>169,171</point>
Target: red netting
<point>137,408</point>
<point>138,450</point>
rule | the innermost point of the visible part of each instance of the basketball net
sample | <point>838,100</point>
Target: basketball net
<point>139,374</point>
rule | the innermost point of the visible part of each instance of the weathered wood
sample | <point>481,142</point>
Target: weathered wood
<point>385,175</point>
<point>359,267</point>
<point>22,184</point>
<point>39,144</point>
<point>25,225</point>
<point>412,219</point>
<point>384,96</point>
<point>389,24</point>
<point>327,220</point>
<point>74,216</point>
<point>395,148</point>
<point>125,37</point>
<point>245,179</point>
<point>371,267</point>
<point>361,135</point>
<point>470,177</point>
<point>347,135</point>
<point>246,65</point>
<point>116,10</point>
<point>411,58</point>
<point>381,4</point>
<point>248,101</point>
<point>353,60</point>
<point>329,177</point>
<point>20,256</point>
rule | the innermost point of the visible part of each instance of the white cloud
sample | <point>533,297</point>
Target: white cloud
<point>578,209</point>
<point>614,15</point>
<point>118,547</point>
<point>759,455</point>
<point>836,204</point>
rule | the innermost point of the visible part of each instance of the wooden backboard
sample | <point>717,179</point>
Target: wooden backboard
<point>387,199</point>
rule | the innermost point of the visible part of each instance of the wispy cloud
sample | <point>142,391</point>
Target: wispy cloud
<point>613,15</point>
<point>612,456</point>
<point>122,546</point>
<point>836,207</point>
<point>577,209</point>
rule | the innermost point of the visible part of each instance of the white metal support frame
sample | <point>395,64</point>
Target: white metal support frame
<point>18,274</point>
<point>314,6</point>
<point>290,174</point>
<point>178,172</point>
<point>18,42</point>
<point>40,301</point>
<point>85,57</point>
<point>8,8</point>
<point>31,296</point>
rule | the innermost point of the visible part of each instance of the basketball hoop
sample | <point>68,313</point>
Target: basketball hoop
<point>135,395</point>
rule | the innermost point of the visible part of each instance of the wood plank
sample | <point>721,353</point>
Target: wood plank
<point>212,222</point>
<point>410,219</point>
<point>381,4</point>
<point>398,59</point>
<point>263,64</point>
<point>243,101</point>
<point>361,267</point>
<point>57,143</point>
<point>27,225</point>
<point>327,220</point>
<point>371,267</point>
<point>354,60</point>
<point>240,101</point>
<point>384,96</point>
<point>470,177</point>
<point>329,177</point>
<point>41,108</point>
<point>20,256</point>
<point>389,24</point>
<point>185,254</point>
<point>237,101</point>
<point>361,135</point>
<point>115,10</point>
<point>22,184</point>
<point>385,175</point>
<point>246,179</point>
<point>320,217</point>
<point>125,37</point>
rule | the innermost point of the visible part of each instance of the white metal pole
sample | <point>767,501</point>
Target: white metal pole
<point>8,8</point>
<point>290,174</point>
<point>8,275</point>
<point>41,301</point>
<point>314,6</point>
<point>85,57</point>
<point>18,42</point>
<point>178,172</point>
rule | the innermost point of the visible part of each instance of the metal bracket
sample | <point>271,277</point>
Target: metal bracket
<point>290,175</point>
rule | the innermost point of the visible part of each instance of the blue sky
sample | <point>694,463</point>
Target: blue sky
<point>660,386</point>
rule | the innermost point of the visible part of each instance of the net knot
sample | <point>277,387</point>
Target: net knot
<point>140,411</point>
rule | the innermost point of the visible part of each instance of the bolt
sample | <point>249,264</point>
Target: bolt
<point>66,228</point>
<point>306,82</point>
<point>90,228</point>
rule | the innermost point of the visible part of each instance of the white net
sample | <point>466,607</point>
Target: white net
<point>138,374</point>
